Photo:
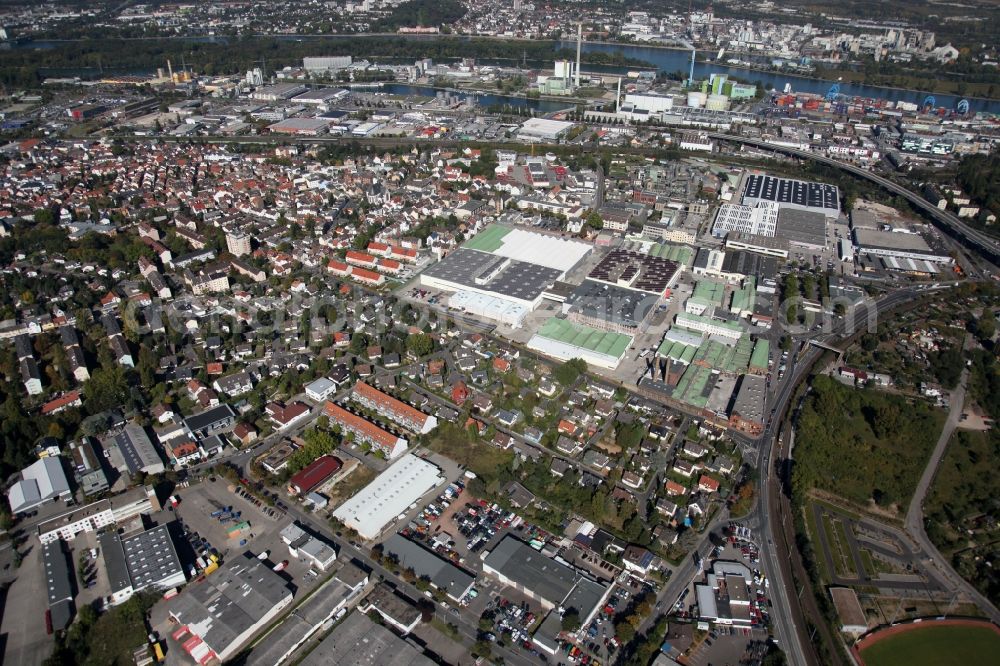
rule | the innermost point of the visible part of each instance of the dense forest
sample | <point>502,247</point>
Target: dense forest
<point>862,445</point>
<point>421,13</point>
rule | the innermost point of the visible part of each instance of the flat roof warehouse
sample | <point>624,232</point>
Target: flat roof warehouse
<point>791,193</point>
<point>534,248</point>
<point>515,280</point>
<point>619,306</point>
<point>392,491</point>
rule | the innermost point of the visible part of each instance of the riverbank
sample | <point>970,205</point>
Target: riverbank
<point>233,54</point>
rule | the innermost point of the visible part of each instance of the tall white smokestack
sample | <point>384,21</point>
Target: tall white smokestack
<point>579,40</point>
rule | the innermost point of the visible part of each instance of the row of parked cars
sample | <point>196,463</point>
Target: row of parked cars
<point>511,618</point>
<point>479,522</point>
<point>274,513</point>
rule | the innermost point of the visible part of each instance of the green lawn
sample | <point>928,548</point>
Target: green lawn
<point>935,646</point>
<point>489,239</point>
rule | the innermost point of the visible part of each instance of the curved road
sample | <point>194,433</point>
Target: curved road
<point>915,514</point>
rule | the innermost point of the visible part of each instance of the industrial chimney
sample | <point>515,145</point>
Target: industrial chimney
<point>579,41</point>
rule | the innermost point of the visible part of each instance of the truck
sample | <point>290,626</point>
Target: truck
<point>280,566</point>
<point>158,651</point>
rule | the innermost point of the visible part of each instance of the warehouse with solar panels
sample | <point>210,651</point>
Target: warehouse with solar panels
<point>501,273</point>
<point>791,193</point>
<point>637,271</point>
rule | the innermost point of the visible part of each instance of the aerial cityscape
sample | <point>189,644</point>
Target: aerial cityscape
<point>404,332</point>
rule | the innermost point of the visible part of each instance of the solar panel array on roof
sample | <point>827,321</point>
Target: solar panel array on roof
<point>634,270</point>
<point>518,280</point>
<point>791,192</point>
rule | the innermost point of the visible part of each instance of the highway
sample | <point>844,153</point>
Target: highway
<point>983,243</point>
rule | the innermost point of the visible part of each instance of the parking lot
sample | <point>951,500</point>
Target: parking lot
<point>207,533</point>
<point>513,620</point>
<point>728,645</point>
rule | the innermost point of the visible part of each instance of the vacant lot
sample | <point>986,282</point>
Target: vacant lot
<point>467,450</point>
<point>863,445</point>
<point>930,645</point>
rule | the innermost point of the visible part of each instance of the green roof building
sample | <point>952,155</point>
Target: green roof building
<point>565,340</point>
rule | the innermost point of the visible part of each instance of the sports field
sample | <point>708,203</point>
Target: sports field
<point>930,645</point>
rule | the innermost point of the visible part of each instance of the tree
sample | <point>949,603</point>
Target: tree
<point>629,436</point>
<point>947,366</point>
<point>567,373</point>
<point>624,631</point>
<point>419,344</point>
<point>571,619</point>
<point>595,220</point>
<point>44,216</point>
<point>986,326</point>
<point>359,343</point>
<point>106,388</point>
